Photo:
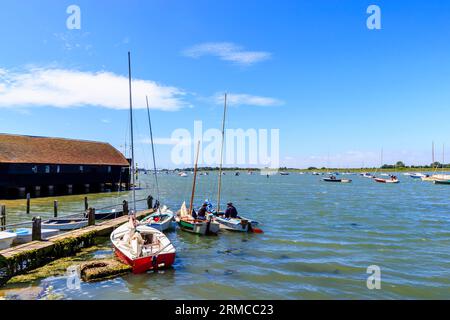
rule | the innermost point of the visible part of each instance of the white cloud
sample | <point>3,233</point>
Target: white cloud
<point>237,99</point>
<point>228,52</point>
<point>63,88</point>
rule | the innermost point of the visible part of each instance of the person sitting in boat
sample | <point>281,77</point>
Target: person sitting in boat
<point>231,211</point>
<point>209,206</point>
<point>201,214</point>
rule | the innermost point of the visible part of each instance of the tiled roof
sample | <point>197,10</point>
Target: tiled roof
<point>29,149</point>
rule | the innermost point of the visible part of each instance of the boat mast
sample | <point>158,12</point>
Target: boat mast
<point>195,178</point>
<point>153,151</point>
<point>131,131</point>
<point>381,164</point>
<point>221,155</point>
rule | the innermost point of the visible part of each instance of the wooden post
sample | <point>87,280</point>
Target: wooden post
<point>125,207</point>
<point>55,208</point>
<point>28,203</point>
<point>3,218</point>
<point>150,202</point>
<point>86,205</point>
<point>91,216</point>
<point>36,229</point>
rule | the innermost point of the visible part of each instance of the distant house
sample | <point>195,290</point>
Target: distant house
<point>41,165</point>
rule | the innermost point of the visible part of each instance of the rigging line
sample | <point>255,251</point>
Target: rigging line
<point>221,155</point>
<point>153,150</point>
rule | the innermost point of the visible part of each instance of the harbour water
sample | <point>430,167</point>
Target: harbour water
<point>319,239</point>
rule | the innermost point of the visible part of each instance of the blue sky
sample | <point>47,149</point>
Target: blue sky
<point>337,91</point>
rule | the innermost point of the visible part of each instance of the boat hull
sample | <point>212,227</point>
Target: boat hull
<point>65,224</point>
<point>385,180</point>
<point>6,239</point>
<point>162,257</point>
<point>337,180</point>
<point>141,265</point>
<point>107,215</point>
<point>441,181</point>
<point>238,225</point>
<point>198,226</point>
<point>24,235</point>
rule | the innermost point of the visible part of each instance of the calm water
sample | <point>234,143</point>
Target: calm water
<point>319,240</point>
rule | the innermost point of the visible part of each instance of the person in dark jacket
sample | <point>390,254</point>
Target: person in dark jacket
<point>201,214</point>
<point>231,211</point>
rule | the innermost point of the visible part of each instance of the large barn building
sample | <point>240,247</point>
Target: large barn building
<point>45,166</point>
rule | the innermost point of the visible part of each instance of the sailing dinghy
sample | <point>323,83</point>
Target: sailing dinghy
<point>334,179</point>
<point>393,179</point>
<point>142,247</point>
<point>189,224</point>
<point>239,223</point>
<point>161,220</point>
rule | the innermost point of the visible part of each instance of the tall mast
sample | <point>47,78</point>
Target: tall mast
<point>131,129</point>
<point>153,150</point>
<point>381,164</point>
<point>432,152</point>
<point>195,178</point>
<point>221,155</point>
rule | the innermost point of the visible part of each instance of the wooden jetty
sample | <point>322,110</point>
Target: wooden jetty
<point>20,259</point>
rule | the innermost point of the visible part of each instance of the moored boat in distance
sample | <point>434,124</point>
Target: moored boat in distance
<point>417,175</point>
<point>367,175</point>
<point>333,178</point>
<point>440,181</point>
<point>143,248</point>
<point>282,173</point>
<point>393,179</point>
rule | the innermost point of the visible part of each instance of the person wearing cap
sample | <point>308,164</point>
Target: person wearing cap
<point>231,211</point>
<point>201,214</point>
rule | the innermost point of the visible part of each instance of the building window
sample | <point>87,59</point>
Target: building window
<point>34,169</point>
<point>81,168</point>
<point>47,169</point>
<point>109,169</point>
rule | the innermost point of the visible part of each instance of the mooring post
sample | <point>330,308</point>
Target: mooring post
<point>149,202</point>
<point>125,207</point>
<point>86,205</point>
<point>55,208</point>
<point>3,218</point>
<point>91,216</point>
<point>28,203</point>
<point>36,229</point>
